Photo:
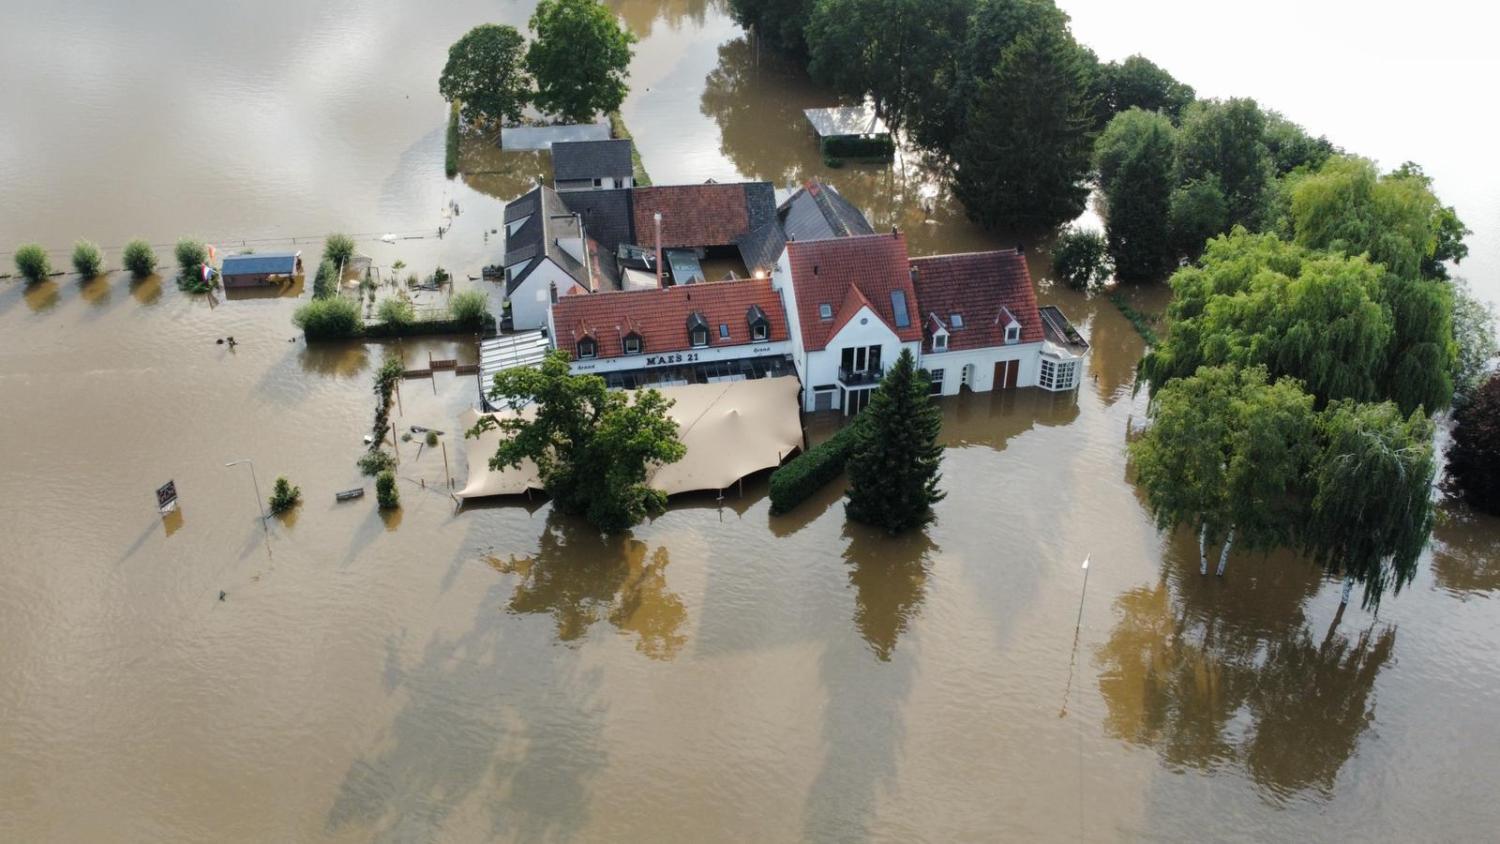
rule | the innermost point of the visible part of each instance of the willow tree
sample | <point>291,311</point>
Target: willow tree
<point>1225,453</point>
<point>1371,508</point>
<point>593,447</point>
<point>1255,300</point>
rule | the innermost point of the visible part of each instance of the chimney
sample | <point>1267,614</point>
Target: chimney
<point>1020,249</point>
<point>914,274</point>
<point>815,269</point>
<point>657,217</point>
<point>895,231</point>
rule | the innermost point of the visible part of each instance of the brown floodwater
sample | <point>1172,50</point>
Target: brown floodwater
<point>717,674</point>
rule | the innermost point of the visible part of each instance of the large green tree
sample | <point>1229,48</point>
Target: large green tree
<point>1140,83</point>
<point>894,51</point>
<point>780,24</point>
<point>1134,161</point>
<point>1225,140</point>
<point>1224,455</point>
<point>593,447</point>
<point>893,471</point>
<point>1474,454</point>
<point>1291,148</point>
<point>486,74</point>
<point>580,59</point>
<point>1474,340</point>
<point>1371,510</point>
<point>1256,300</point>
<point>1024,154</point>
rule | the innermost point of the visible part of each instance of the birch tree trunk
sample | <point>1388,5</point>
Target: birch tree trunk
<point>1224,555</point>
<point>1348,588</point>
<point>1202,549</point>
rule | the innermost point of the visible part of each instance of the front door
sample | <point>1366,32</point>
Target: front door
<point>1007,372</point>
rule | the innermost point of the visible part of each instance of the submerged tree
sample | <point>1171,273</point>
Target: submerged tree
<point>593,447</point>
<point>1225,140</point>
<point>486,74</point>
<point>1225,454</point>
<point>780,24</point>
<point>1080,258</point>
<point>893,472</point>
<point>87,259</point>
<point>1024,154</point>
<point>1371,510</point>
<point>1134,161</point>
<point>580,59</point>
<point>1474,455</point>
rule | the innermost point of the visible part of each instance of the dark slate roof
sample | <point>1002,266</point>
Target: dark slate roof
<point>573,160</point>
<point>521,206</point>
<point>1061,331</point>
<point>550,220</point>
<point>760,204</point>
<point>760,249</point>
<point>260,263</point>
<point>606,215</point>
<point>817,212</point>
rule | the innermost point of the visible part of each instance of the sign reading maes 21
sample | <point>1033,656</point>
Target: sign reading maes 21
<point>705,355</point>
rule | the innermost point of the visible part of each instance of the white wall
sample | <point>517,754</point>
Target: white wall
<point>983,361</point>
<point>685,357</point>
<point>781,282</point>
<point>865,329</point>
<point>530,302</point>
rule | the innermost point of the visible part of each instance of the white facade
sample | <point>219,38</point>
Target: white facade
<point>820,369</point>
<point>981,364</point>
<point>602,183</point>
<point>531,303</point>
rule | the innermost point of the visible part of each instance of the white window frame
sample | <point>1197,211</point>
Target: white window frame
<point>629,341</point>
<point>759,331</point>
<point>693,338</point>
<point>1013,333</point>
<point>936,377</point>
<point>940,343</point>
<point>825,311</point>
<point>956,320</point>
<point>592,344</point>
<point>1047,377</point>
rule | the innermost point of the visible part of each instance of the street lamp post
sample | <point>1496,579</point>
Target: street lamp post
<point>261,502</point>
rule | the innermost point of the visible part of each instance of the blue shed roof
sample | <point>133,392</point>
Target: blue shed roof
<point>261,263</point>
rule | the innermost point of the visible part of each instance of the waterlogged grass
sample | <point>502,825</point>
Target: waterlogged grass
<point>617,129</point>
<point>451,162</point>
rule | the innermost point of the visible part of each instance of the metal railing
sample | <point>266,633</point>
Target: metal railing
<point>860,376</point>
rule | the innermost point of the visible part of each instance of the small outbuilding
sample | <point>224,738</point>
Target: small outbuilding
<point>592,165</point>
<point>260,268</point>
<point>851,132</point>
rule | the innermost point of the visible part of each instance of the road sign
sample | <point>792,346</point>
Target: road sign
<point>166,496</point>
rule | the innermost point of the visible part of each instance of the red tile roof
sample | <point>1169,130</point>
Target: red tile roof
<point>979,286</point>
<point>661,316</point>
<point>826,271</point>
<point>691,215</point>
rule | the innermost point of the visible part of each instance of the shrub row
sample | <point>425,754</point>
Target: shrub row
<point>450,164</point>
<point>812,469</point>
<point>426,327</point>
<point>850,146</point>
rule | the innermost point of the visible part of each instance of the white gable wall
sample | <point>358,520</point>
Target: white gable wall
<point>983,360</point>
<point>864,329</point>
<point>531,301</point>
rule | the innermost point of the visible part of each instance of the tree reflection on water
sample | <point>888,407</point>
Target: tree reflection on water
<point>889,576</point>
<point>1213,673</point>
<point>580,577</point>
<point>1466,551</point>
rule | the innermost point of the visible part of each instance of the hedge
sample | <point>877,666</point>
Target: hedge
<point>854,146</point>
<point>428,327</point>
<point>812,469</point>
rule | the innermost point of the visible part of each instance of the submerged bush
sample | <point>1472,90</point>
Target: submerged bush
<point>327,319</point>
<point>385,490</point>
<point>338,248</point>
<point>1081,259</point>
<point>139,258</point>
<point>87,259</point>
<point>285,496</point>
<point>32,262</point>
<point>812,469</point>
<point>374,462</point>
<point>432,439</point>
<point>326,282</point>
<point>191,254</point>
<point>469,307</point>
<point>397,311</point>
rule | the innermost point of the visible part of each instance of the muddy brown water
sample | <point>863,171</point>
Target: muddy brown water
<point>719,673</point>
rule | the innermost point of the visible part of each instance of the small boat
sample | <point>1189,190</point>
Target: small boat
<point>350,494</point>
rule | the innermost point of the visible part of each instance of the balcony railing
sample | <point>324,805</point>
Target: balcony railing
<point>860,376</point>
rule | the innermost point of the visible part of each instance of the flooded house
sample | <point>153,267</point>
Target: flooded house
<point>260,268</point>
<point>592,165</point>
<point>548,255</point>
<point>815,211</point>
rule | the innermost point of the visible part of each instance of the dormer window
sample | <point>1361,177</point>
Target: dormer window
<point>940,342</point>
<point>1013,333</point>
<point>825,311</point>
<point>587,348</point>
<point>697,330</point>
<point>632,343</point>
<point>956,320</point>
<point>760,327</point>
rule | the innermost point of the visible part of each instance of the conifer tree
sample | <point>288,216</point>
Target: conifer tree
<point>893,472</point>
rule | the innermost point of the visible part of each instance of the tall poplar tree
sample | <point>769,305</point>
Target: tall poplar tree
<point>1024,154</point>
<point>893,472</point>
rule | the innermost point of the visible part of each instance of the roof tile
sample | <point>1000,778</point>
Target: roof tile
<point>660,316</point>
<point>983,287</point>
<point>823,271</point>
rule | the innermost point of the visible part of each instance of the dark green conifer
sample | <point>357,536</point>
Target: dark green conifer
<point>893,472</point>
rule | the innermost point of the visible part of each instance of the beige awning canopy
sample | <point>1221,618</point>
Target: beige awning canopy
<point>731,429</point>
